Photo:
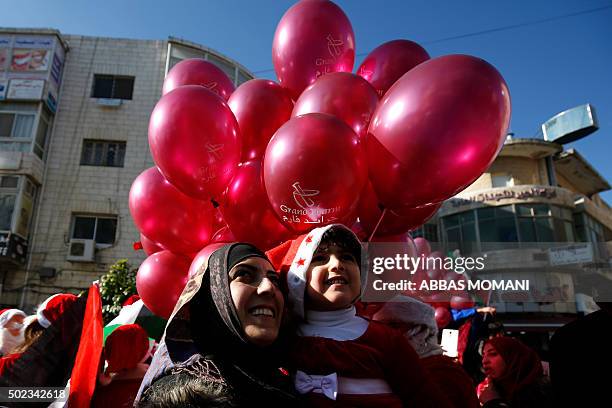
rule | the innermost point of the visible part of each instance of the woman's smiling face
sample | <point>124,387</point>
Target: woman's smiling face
<point>254,286</point>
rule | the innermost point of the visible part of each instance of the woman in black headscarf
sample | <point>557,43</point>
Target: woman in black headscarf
<point>222,345</point>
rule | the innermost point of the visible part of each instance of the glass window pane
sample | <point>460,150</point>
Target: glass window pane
<point>124,87</point>
<point>6,124</point>
<point>111,154</point>
<point>485,213</point>
<point>84,227</point>
<point>523,209</point>
<point>87,155</point>
<point>9,181</point>
<point>466,217</point>
<point>7,204</point>
<point>98,153</point>
<point>23,126</point>
<point>105,232</point>
<point>103,86</point>
<point>41,133</point>
<point>544,229</point>
<point>225,66</point>
<point>504,211</point>
<point>488,231</point>
<point>506,230</point>
<point>451,221</point>
<point>541,209</point>
<point>14,147</point>
<point>569,231</point>
<point>453,238</point>
<point>120,155</point>
<point>527,230</point>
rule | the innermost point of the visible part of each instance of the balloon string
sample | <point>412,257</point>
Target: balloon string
<point>214,203</point>
<point>382,215</point>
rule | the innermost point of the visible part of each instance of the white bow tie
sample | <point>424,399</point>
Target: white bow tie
<point>322,384</point>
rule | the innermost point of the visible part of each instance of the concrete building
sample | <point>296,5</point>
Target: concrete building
<point>74,113</point>
<point>535,214</point>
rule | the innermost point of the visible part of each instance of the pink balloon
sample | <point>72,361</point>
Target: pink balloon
<point>196,71</point>
<point>261,107</point>
<point>248,211</point>
<point>165,215</point>
<point>149,247</point>
<point>224,235</point>
<point>194,140</point>
<point>422,246</point>
<point>437,130</point>
<point>218,221</point>
<point>389,61</point>
<point>314,170</point>
<point>443,317</point>
<point>342,94</point>
<point>160,281</point>
<point>391,223</point>
<point>202,256</point>
<point>313,38</point>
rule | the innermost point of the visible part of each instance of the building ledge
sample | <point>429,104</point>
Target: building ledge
<point>530,148</point>
<point>571,165</point>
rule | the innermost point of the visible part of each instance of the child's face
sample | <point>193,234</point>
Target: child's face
<point>334,279</point>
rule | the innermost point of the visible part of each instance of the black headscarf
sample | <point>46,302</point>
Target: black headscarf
<point>205,322</point>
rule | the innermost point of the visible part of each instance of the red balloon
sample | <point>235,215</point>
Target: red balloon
<point>437,130</point>
<point>202,256</point>
<point>439,300</point>
<point>314,170</point>
<point>391,223</point>
<point>165,215</point>
<point>196,71</point>
<point>357,228</point>
<point>261,107</point>
<point>313,38</point>
<point>443,317</point>
<point>218,221</point>
<point>342,94</point>
<point>224,235</point>
<point>422,246</point>
<point>149,247</point>
<point>388,62</point>
<point>248,211</point>
<point>160,281</point>
<point>462,301</point>
<point>194,140</point>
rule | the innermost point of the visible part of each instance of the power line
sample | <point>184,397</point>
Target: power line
<point>491,30</point>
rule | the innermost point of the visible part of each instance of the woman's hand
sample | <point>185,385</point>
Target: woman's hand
<point>488,393</point>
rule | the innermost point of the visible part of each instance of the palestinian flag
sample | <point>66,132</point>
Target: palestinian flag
<point>138,313</point>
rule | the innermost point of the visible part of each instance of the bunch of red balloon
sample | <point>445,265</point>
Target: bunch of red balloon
<point>323,145</point>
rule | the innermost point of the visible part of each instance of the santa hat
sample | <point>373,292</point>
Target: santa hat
<point>8,314</point>
<point>292,258</point>
<point>125,347</point>
<point>52,309</point>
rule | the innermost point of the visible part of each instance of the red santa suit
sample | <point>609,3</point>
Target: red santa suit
<point>343,360</point>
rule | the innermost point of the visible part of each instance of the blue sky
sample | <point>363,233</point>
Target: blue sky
<point>550,64</point>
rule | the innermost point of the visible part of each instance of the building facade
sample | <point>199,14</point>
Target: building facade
<point>535,215</point>
<point>74,114</point>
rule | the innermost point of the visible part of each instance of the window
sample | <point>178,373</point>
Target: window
<point>535,223</point>
<point>460,232</point>
<point>502,180</point>
<point>427,231</point>
<point>8,196</point>
<point>16,125</point>
<point>103,153</point>
<point>496,224</point>
<point>100,229</point>
<point>112,87</point>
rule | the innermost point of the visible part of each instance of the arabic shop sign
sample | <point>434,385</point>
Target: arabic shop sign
<point>547,193</point>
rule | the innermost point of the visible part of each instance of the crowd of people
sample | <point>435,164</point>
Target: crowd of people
<point>285,328</point>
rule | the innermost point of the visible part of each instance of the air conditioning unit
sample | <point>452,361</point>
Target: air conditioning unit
<point>81,250</point>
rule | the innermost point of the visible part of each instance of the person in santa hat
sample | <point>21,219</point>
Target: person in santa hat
<point>48,360</point>
<point>418,323</point>
<point>339,358</point>
<point>125,351</point>
<point>11,333</point>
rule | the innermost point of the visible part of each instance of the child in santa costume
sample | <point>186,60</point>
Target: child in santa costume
<point>341,359</point>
